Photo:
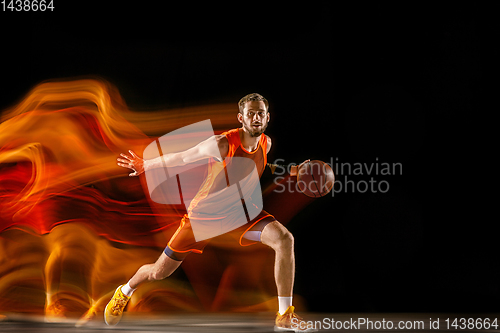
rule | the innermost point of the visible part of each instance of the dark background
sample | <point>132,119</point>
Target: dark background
<point>367,83</point>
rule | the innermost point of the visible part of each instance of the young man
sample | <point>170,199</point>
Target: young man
<point>249,142</point>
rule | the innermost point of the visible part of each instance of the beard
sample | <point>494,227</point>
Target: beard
<point>255,132</point>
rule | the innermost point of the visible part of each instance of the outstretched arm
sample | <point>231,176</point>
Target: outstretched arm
<point>214,146</point>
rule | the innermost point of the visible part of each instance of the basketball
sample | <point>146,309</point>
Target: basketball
<point>315,179</point>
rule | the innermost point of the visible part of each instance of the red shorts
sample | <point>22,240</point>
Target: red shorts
<point>183,241</point>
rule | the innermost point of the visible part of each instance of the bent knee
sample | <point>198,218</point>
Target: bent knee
<point>278,237</point>
<point>286,239</point>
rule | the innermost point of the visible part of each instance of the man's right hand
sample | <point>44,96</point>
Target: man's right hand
<point>133,162</point>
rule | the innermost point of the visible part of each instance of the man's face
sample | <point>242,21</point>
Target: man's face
<point>255,118</point>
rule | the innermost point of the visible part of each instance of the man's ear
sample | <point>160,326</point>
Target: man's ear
<point>240,117</point>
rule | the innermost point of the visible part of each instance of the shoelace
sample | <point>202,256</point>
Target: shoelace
<point>119,306</point>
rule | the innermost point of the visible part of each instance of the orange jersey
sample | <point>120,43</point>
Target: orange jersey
<point>259,155</point>
<point>217,207</point>
<point>215,188</point>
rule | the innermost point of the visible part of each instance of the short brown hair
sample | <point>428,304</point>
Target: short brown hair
<point>252,97</point>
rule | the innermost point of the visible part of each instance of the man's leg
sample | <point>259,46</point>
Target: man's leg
<point>161,269</point>
<point>276,236</point>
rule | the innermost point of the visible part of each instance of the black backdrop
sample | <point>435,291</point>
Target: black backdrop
<point>366,83</point>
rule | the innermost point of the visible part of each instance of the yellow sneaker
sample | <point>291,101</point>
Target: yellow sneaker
<point>114,310</point>
<point>290,322</point>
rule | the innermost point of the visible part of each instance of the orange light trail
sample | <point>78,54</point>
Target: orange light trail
<point>73,225</point>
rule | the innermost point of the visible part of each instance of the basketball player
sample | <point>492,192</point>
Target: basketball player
<point>248,141</point>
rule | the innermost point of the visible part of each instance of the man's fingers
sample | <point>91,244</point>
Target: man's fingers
<point>128,166</point>
<point>129,162</point>
<point>130,158</point>
<point>125,156</point>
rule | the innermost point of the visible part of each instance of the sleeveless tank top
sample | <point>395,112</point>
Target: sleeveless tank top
<point>216,195</point>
